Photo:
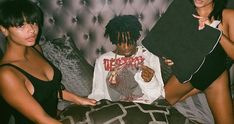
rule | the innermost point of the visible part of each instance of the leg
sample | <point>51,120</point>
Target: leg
<point>233,105</point>
<point>219,100</point>
<point>174,90</point>
<point>191,93</point>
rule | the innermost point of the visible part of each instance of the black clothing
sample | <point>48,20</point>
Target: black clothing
<point>45,93</point>
<point>5,111</point>
<point>1,53</point>
<point>213,66</point>
<point>176,36</point>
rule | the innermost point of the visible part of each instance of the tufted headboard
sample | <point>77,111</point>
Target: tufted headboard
<point>84,20</point>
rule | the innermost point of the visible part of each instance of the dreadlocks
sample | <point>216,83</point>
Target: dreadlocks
<point>125,28</point>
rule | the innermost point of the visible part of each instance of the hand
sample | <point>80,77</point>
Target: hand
<point>86,101</point>
<point>168,62</point>
<point>202,21</point>
<point>147,73</point>
<point>68,96</point>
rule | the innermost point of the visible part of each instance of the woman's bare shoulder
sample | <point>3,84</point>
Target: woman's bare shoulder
<point>9,76</point>
<point>228,10</point>
<point>228,14</point>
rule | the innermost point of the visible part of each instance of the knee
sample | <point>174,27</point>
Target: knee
<point>174,90</point>
<point>171,99</point>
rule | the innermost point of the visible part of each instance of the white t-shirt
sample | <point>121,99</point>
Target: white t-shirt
<point>131,86</point>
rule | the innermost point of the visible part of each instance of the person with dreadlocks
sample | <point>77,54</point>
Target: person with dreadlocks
<point>130,72</point>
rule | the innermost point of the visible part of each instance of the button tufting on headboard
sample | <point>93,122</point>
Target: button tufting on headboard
<point>84,20</point>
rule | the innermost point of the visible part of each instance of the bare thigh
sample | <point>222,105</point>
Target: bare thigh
<point>219,99</point>
<point>174,90</point>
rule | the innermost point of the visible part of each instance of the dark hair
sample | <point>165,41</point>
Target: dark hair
<point>15,12</point>
<point>219,6</point>
<point>124,28</point>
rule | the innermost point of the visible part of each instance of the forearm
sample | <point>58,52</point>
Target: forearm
<point>68,96</point>
<point>46,119</point>
<point>228,46</point>
<point>37,115</point>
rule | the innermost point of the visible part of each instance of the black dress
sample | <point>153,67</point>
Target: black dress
<point>213,66</point>
<point>45,93</point>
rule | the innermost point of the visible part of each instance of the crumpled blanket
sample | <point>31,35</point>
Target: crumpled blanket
<point>119,112</point>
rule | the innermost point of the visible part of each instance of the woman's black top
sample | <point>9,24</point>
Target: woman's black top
<point>45,93</point>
